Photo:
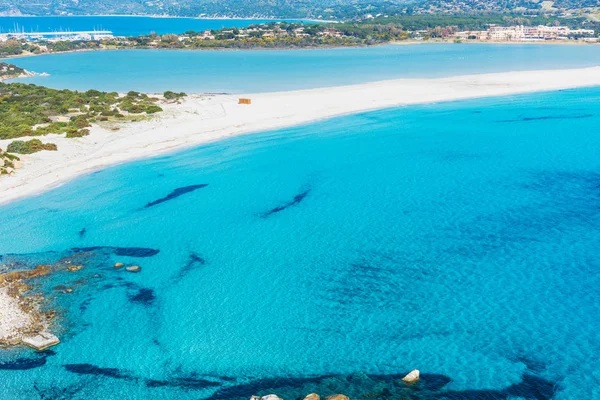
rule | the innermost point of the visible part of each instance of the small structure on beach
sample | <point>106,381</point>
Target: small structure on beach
<point>41,341</point>
<point>245,101</point>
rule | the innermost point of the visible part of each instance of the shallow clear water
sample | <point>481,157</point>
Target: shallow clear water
<point>265,71</point>
<point>120,26</point>
<point>458,238</point>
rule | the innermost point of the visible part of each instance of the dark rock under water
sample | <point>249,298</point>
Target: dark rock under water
<point>176,193</point>
<point>296,200</point>
<point>194,261</point>
<point>547,117</point>
<point>383,387</point>
<point>36,360</point>
<point>143,296</point>
<point>89,369</point>
<point>140,252</point>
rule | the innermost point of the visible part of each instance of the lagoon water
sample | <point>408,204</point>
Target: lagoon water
<point>120,26</point>
<point>458,238</point>
<point>264,71</point>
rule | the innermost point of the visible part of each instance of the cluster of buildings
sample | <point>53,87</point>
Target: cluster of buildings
<point>527,33</point>
<point>258,32</point>
<point>57,36</point>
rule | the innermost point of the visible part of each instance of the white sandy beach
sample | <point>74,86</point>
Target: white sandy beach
<point>201,119</point>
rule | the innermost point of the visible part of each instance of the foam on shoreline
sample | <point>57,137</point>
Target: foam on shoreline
<point>202,118</point>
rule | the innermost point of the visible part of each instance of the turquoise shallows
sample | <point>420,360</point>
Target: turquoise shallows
<point>460,238</point>
<point>251,71</point>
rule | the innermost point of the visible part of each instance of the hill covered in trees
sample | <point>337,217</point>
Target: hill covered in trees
<point>324,9</point>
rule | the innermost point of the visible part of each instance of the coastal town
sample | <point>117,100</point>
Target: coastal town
<point>282,35</point>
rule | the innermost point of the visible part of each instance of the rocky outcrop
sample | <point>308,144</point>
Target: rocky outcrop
<point>41,341</point>
<point>338,397</point>
<point>134,268</point>
<point>271,397</point>
<point>11,71</point>
<point>119,265</point>
<point>313,396</point>
<point>21,316</point>
<point>411,377</point>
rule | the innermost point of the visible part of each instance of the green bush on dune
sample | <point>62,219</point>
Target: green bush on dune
<point>29,147</point>
<point>31,110</point>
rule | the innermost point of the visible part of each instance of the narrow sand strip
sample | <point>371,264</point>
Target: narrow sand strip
<point>202,119</point>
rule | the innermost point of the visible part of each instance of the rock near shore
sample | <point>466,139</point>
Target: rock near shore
<point>412,377</point>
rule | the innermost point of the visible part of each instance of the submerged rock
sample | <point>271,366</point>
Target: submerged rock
<point>134,268</point>
<point>313,396</point>
<point>41,341</point>
<point>119,265</point>
<point>74,268</point>
<point>411,377</point>
<point>338,397</point>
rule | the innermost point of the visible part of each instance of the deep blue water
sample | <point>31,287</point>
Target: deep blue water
<point>458,238</point>
<point>120,26</point>
<point>265,71</point>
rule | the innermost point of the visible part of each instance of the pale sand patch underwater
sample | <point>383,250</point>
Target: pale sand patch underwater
<point>204,118</point>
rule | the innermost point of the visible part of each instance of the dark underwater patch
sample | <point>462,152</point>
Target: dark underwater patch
<point>140,252</point>
<point>547,117</point>
<point>194,262</point>
<point>531,388</point>
<point>82,233</point>
<point>25,363</point>
<point>296,200</point>
<point>188,383</point>
<point>144,296</point>
<point>57,392</point>
<point>176,193</point>
<point>90,369</point>
<point>384,387</point>
<point>263,386</point>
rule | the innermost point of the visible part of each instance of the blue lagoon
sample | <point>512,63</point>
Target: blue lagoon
<point>253,71</point>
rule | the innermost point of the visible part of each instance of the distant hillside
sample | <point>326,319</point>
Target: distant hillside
<point>326,9</point>
<point>193,8</point>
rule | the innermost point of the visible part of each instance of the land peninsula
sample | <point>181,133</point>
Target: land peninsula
<point>297,35</point>
<point>197,119</point>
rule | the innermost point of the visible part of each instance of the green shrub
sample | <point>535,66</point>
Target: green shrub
<point>80,121</point>
<point>29,147</point>
<point>169,95</point>
<point>74,133</point>
<point>151,109</point>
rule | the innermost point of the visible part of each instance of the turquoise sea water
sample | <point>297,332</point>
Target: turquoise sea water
<point>264,71</point>
<point>458,238</point>
<point>120,26</point>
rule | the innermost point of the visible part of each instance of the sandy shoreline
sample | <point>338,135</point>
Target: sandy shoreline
<point>202,119</point>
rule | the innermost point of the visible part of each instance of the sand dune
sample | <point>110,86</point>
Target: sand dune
<point>201,119</point>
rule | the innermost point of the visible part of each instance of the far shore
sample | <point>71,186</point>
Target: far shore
<point>393,43</point>
<point>205,118</point>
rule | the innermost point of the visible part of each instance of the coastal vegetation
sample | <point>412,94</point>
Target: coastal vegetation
<point>29,147</point>
<point>31,110</point>
<point>7,162</point>
<point>315,9</point>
